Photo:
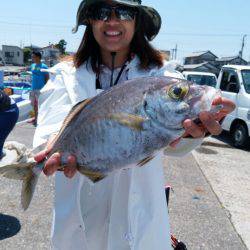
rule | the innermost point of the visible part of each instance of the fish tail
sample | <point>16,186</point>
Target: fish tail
<point>28,173</point>
<point>28,188</point>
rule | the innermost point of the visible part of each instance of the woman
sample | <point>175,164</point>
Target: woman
<point>8,117</point>
<point>126,210</point>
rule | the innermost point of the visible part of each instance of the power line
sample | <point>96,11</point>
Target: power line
<point>31,19</point>
<point>36,25</point>
<point>161,33</point>
<point>200,34</point>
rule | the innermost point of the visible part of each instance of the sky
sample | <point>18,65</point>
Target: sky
<point>192,25</point>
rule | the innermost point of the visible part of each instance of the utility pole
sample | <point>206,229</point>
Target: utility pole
<point>242,46</point>
<point>174,53</point>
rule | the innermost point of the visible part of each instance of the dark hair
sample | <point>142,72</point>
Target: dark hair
<point>36,53</point>
<point>89,48</point>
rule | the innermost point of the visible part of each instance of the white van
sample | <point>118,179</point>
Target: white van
<point>201,78</point>
<point>234,82</point>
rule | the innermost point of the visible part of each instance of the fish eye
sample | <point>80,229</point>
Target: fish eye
<point>178,92</point>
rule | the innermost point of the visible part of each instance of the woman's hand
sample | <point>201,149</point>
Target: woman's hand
<point>53,163</point>
<point>209,121</point>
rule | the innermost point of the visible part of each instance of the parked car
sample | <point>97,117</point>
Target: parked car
<point>234,82</point>
<point>201,78</point>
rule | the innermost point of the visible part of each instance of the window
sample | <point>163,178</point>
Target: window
<point>18,53</point>
<point>203,80</point>
<point>246,80</point>
<point>9,54</point>
<point>230,82</point>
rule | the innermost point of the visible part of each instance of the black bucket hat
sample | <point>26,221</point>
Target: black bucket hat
<point>150,16</point>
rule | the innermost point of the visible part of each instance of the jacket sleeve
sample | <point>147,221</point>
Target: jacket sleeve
<point>54,105</point>
<point>186,145</point>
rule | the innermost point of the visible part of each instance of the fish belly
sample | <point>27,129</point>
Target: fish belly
<point>108,145</point>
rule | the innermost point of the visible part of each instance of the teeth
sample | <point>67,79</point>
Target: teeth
<point>112,33</point>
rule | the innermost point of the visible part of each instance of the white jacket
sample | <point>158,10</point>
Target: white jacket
<point>125,211</point>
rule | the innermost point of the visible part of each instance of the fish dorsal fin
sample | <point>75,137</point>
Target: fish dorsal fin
<point>145,161</point>
<point>129,120</point>
<point>73,112</point>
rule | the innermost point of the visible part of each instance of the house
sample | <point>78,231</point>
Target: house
<point>12,55</point>
<point>203,67</point>
<point>50,55</point>
<point>200,57</point>
<point>2,62</point>
<point>233,60</point>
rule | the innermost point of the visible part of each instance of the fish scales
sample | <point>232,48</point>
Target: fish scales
<point>114,144</point>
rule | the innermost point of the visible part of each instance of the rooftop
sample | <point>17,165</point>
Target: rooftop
<point>227,58</point>
<point>199,53</point>
<point>237,67</point>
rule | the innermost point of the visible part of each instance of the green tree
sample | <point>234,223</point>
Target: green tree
<point>27,55</point>
<point>62,46</point>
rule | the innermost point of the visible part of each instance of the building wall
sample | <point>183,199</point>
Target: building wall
<point>236,61</point>
<point>50,55</point>
<point>1,58</point>
<point>208,57</point>
<point>12,55</point>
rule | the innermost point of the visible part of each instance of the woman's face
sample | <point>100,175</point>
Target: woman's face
<point>113,34</point>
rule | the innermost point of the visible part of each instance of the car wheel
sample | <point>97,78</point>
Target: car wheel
<point>240,136</point>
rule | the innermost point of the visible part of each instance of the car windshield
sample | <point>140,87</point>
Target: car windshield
<point>202,80</point>
<point>246,79</point>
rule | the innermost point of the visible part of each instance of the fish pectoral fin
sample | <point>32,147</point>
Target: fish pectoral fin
<point>129,120</point>
<point>92,175</point>
<point>145,161</point>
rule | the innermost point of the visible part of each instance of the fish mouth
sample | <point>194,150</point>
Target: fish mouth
<point>200,99</point>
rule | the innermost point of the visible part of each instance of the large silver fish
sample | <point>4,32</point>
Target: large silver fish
<point>122,127</point>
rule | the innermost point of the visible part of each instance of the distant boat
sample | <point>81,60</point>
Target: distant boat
<point>17,83</point>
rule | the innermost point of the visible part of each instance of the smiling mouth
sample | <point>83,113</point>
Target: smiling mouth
<point>112,33</point>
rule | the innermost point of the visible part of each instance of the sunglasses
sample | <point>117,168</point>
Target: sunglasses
<point>104,12</point>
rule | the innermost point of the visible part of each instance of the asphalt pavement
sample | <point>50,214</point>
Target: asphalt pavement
<point>29,230</point>
<point>197,211</point>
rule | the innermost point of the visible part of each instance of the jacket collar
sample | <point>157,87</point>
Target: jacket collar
<point>81,82</point>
